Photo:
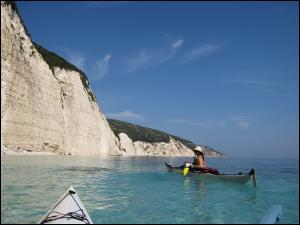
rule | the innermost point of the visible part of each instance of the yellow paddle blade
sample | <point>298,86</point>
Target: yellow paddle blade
<point>185,171</point>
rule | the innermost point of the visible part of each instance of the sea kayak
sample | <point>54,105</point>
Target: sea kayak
<point>68,210</point>
<point>237,178</point>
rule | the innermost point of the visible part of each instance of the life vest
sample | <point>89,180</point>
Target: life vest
<point>207,170</point>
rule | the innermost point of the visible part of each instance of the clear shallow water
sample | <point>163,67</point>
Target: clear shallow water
<point>140,190</point>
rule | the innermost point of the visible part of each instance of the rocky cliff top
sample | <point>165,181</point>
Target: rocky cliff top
<point>53,60</point>
<point>139,133</point>
<point>149,135</point>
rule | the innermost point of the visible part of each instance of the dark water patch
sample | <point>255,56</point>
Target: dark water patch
<point>87,169</point>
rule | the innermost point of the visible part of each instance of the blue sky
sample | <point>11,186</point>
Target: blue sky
<point>220,74</point>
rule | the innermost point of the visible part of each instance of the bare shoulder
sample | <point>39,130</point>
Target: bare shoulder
<point>199,160</point>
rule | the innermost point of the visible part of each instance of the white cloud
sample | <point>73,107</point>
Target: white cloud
<point>239,117</point>
<point>199,52</point>
<point>241,121</point>
<point>98,68</point>
<point>102,66</point>
<point>107,57</point>
<point>76,58</point>
<point>206,124</point>
<point>243,124</point>
<point>260,83</point>
<point>141,60</point>
<point>127,114</point>
<point>177,44</point>
<point>146,58</point>
<point>267,86</point>
<point>178,121</point>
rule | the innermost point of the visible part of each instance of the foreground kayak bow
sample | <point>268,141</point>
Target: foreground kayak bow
<point>273,215</point>
<point>237,178</point>
<point>68,210</point>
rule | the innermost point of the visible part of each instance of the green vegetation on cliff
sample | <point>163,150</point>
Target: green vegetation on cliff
<point>52,59</point>
<point>14,7</point>
<point>139,133</point>
<point>209,150</point>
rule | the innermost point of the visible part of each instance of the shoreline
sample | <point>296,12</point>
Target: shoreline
<point>20,152</point>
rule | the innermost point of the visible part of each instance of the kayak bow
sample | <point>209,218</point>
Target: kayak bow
<point>237,178</point>
<point>273,215</point>
<point>68,210</point>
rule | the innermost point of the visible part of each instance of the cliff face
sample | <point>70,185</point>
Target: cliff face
<point>210,152</point>
<point>135,140</point>
<point>140,148</point>
<point>47,105</point>
<point>42,108</point>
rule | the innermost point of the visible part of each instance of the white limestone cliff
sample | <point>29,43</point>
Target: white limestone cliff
<point>50,110</point>
<point>139,148</point>
<point>42,111</point>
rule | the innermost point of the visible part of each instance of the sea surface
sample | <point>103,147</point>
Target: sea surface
<point>140,190</point>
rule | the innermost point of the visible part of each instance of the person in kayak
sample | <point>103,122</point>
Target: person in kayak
<point>199,161</point>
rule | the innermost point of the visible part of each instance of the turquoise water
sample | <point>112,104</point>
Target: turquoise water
<point>140,190</point>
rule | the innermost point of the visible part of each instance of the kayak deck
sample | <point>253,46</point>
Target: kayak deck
<point>237,178</point>
<point>68,210</point>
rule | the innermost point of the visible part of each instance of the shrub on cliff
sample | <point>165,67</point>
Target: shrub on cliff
<point>139,133</point>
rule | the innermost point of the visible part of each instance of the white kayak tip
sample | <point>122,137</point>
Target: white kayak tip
<point>67,210</point>
<point>71,189</point>
<point>273,215</point>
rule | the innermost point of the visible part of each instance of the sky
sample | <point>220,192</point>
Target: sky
<point>223,74</point>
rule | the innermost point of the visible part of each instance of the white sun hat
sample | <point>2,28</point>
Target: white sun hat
<point>198,148</point>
